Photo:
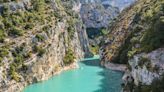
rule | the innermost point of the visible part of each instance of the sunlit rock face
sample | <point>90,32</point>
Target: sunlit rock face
<point>121,4</point>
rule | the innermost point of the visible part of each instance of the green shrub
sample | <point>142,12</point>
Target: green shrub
<point>15,76</point>
<point>13,72</point>
<point>57,15</point>
<point>7,23</point>
<point>16,32</point>
<point>94,49</point>
<point>5,11</point>
<point>2,35</point>
<point>154,36</point>
<point>39,50</point>
<point>3,52</point>
<point>29,26</point>
<point>40,37</point>
<point>24,67</point>
<point>27,55</point>
<point>46,28</point>
<point>16,20</point>
<point>69,57</point>
<point>71,28</point>
<point>131,53</point>
<point>104,31</point>
<point>1,61</point>
<point>47,1</point>
<point>18,54</point>
<point>39,5</point>
<point>35,48</point>
<point>19,59</point>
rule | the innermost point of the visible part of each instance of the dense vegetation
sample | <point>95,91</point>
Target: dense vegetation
<point>17,24</point>
<point>152,36</point>
<point>34,20</point>
<point>20,22</point>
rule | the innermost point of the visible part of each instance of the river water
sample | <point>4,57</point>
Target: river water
<point>90,77</point>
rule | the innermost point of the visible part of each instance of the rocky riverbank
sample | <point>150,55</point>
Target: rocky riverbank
<point>116,67</point>
<point>65,68</point>
<point>18,87</point>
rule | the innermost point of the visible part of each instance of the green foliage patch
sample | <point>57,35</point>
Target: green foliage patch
<point>69,57</point>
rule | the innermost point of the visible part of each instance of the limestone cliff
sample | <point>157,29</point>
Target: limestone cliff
<point>38,38</point>
<point>99,13</point>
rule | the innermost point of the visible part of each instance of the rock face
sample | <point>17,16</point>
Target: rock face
<point>21,5</point>
<point>56,40</point>
<point>145,73</point>
<point>135,39</point>
<point>99,13</point>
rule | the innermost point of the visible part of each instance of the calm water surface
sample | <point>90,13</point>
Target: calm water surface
<point>90,77</point>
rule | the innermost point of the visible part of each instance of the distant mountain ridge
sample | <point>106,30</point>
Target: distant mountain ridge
<point>121,4</point>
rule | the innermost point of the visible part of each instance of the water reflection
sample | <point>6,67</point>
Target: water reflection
<point>111,80</point>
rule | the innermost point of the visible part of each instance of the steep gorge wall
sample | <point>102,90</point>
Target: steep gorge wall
<point>136,40</point>
<point>42,50</point>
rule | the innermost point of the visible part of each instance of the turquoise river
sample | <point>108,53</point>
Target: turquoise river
<point>90,77</point>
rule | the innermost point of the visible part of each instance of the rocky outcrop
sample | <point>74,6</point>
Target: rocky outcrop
<point>146,70</point>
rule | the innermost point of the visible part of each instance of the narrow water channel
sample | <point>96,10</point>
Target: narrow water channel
<point>90,77</point>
